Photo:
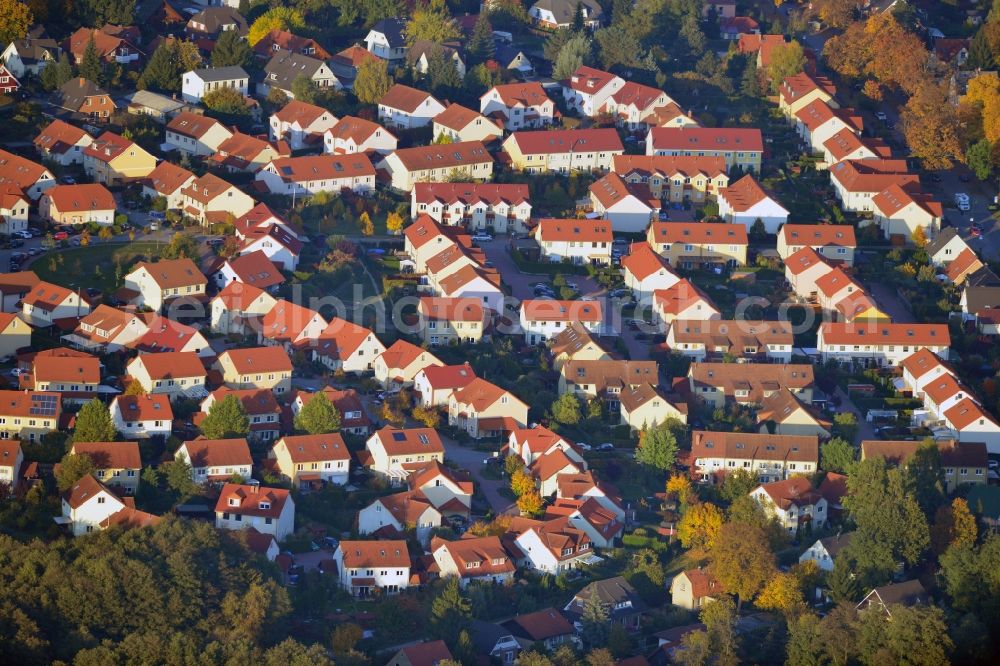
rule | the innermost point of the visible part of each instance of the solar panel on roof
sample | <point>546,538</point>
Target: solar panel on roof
<point>399,436</point>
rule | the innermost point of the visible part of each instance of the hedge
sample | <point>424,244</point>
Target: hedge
<point>545,267</point>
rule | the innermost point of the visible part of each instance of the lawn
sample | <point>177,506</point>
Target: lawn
<point>101,266</point>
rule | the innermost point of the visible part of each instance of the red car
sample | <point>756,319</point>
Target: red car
<point>60,236</point>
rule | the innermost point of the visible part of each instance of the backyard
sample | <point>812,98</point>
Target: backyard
<point>102,265</point>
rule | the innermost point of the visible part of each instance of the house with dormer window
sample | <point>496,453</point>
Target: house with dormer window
<point>304,460</point>
<point>267,510</point>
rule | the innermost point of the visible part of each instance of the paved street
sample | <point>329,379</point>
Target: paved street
<point>472,460</point>
<point>890,303</point>
<point>865,429</point>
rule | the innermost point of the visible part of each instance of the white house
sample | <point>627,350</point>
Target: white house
<point>386,39</point>
<point>62,143</point>
<point>435,383</point>
<point>551,546</point>
<point>347,347</point>
<point>794,502</point>
<point>542,320</point>
<point>169,181</point>
<point>393,515</point>
<point>200,82</point>
<point>87,504</point>
<point>47,302</point>
<point>473,559</point>
<point>267,510</point>
<point>311,174</point>
<point>879,344</point>
<point>366,568</point>
<point>408,108</point>
<point>745,201</point>
<point>580,241</point>
<point>357,135</point>
<point>195,134</point>
<point>216,460</point>
<point>300,124</point>
<point>519,105</point>
<point>824,551</point>
<point>391,449</point>
<point>477,206</point>
<point>588,90</point>
<point>142,416</point>
<point>646,271</point>
<point>629,207</point>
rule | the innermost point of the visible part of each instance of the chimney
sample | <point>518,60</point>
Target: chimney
<point>82,80</point>
<point>254,489</point>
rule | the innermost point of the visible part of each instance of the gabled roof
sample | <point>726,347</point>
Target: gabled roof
<point>255,268</point>
<point>402,353</point>
<point>895,197</point>
<point>551,463</point>
<point>588,80</point>
<point>374,554</point>
<point>218,452</point>
<point>754,446</point>
<point>554,142</point>
<point>480,395</point>
<point>666,166</point>
<point>843,333</point>
<point>540,625</point>
<point>315,448</point>
<point>167,365</point>
<point>193,125</point>
<point>457,117</point>
<point>46,296</point>
<point>680,296</point>
<point>819,235</point>
<point>802,260</point>
<point>173,273</point>
<point>322,167</point>
<point>286,321</point>
<point>110,455</point>
<point>356,129</point>
<point>574,229</point>
<point>746,193</point>
<point>405,98</point>
<point>564,10</point>
<point>238,295</point>
<point>430,653</point>
<point>967,412</point>
<point>526,94</point>
<point>167,178</point>
<point>109,146</point>
<point>799,85</point>
<point>206,188</point>
<point>703,583</point>
<point>782,404</point>
<point>85,490</point>
<point>303,113</point>
<point>743,139</point>
<point>148,407</point>
<point>409,441</point>
<point>611,189</point>
<point>795,491</point>
<point>698,232</point>
<point>568,311</point>
<point>20,171</point>
<point>341,338</point>
<point>443,156</point>
<point>572,339</point>
<point>871,175</point>
<point>394,30</point>
<point>258,359</point>
<point>443,377</point>
<point>81,198</point>
<point>471,194</point>
<point>286,66</point>
<point>217,74</point>
<point>637,94</point>
<point>765,378</point>
<point>59,137</point>
<point>252,500</point>
<point>215,19</point>
<point>451,309</point>
<point>106,322</point>
<point>66,369</point>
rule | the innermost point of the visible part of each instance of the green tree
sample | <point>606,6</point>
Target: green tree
<point>319,416</point>
<point>578,23</point>
<point>566,409</point>
<point>738,483</point>
<point>433,23</point>
<point>979,157</point>
<point>231,50</point>
<point>750,83</point>
<point>837,455</point>
<point>574,53</point>
<point>748,511</point>
<point>846,424</point>
<point>226,418</point>
<point>980,54</point>
<point>450,611</point>
<point>925,477</point>
<point>181,245</point>
<point>276,18</point>
<point>786,60</point>
<point>72,468</point>
<point>442,73</point>
<point>842,583</point>
<point>741,560</point>
<point>90,64</point>
<point>657,447</point>
<point>94,423</point>
<point>162,71</point>
<point>373,80</point>
<point>805,642</point>
<point>304,89</point>
<point>180,479</point>
<point>229,101</point>
<point>719,619</point>
<point>481,46</point>
<point>57,73</point>
<point>915,635</point>
<point>595,621</point>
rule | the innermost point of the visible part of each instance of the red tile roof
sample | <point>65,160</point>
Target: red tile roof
<point>257,269</point>
<point>218,452</point>
<point>110,455</point>
<point>167,178</point>
<point>802,260</point>
<point>799,85</point>
<point>67,369</point>
<point>443,156</point>
<point>398,442</point>
<point>643,261</point>
<point>547,142</point>
<point>246,500</point>
<point>375,554</point>
<point>451,309</point>
<point>322,167</point>
<point>589,80</point>
<point>148,407</point>
<point>611,189</point>
<point>699,232</point>
<point>681,296</point>
<point>843,333</point>
<point>688,166</point>
<point>404,98</point>
<point>173,273</point>
<point>687,139</point>
<point>316,448</point>
<point>58,137</point>
<point>448,376</point>
<point>569,311</point>
<point>819,235</point>
<point>168,365</point>
<point>258,359</point>
<point>457,117</point>
<point>574,229</point>
<point>524,94</point>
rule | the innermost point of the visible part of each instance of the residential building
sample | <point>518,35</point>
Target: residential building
<point>458,124</point>
<point>794,502</point>
<point>209,199</point>
<point>483,409</point>
<point>282,40</point>
<point>547,627</point>
<point>267,510</point>
<point>256,368</point>
<point>448,490</point>
<point>683,300</point>
<point>392,449</point>
<point>305,459</point>
<point>434,384</point>
<point>175,374</point>
<point>835,243</point>
<point>692,245</point>
<point>963,463</point>
<point>386,40</point>
<point>675,178</point>
<point>555,14</point>
<point>278,243</point>
<point>784,413</point>
<point>114,160</point>
<point>114,44</point>
<point>408,108</point>
<point>629,207</point>
<point>253,268</point>
<point>357,135</point>
<point>550,467</point>
<point>746,340</point>
<point>576,343</point>
<point>264,414</point>
<point>78,204</point>
<point>718,383</point>
<point>74,375</point>
<point>738,146</point>
<point>62,143</point>
<point>634,104</point>
<point>85,99</point>
<point>578,241</point>
<point>447,320</point>
<point>30,177</point>
<point>46,302</point>
<point>142,416</point>
<point>11,459</point>
<point>542,320</point>
<point>116,464</point>
<point>771,457</point>
<point>531,444</point>
<point>284,67</point>
<point>473,559</point>
<point>195,134</point>
<point>420,53</point>
<point>818,121</point>
<point>198,83</point>
<point>300,124</point>
<point>619,599</point>
<point>155,285</point>
<point>290,326</point>
<point>694,588</point>
<point>437,162</point>
<point>857,181</point>
<point>311,174</point>
<point>824,551</point>
<point>393,516</point>
<point>946,246</point>
<point>169,181</point>
<point>646,271</point>
<point>881,599</point>
<point>15,334</point>
<point>368,568</point>
<point>847,145</point>
<point>160,108</point>
<point>14,205</point>
<point>477,206</point>
<point>588,90</point>
<point>216,460</point>
<point>29,415</point>
<point>879,344</point>
<point>900,211</point>
<point>29,55</point>
<point>518,105</point>
<point>345,346</point>
<point>238,307</point>
<point>87,504</point>
<point>422,654</point>
<point>242,153</point>
<point>353,418</point>
<point>799,90</point>
<point>605,379</point>
<point>213,21</point>
<point>645,406</point>
<point>551,546</point>
<point>745,202</point>
<point>398,365</point>
<point>585,486</point>
<point>562,151</point>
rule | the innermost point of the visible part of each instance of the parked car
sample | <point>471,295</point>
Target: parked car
<point>606,446</point>
<point>583,446</point>
<point>482,238</point>
<point>60,236</point>
<point>880,115</point>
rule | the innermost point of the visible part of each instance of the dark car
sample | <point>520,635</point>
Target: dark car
<point>964,177</point>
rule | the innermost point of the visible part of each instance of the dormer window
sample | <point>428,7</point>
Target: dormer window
<point>265,505</point>
<point>233,501</point>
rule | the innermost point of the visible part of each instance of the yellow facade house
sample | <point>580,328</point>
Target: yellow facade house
<point>112,160</point>
<point>256,368</point>
<point>14,334</point>
<point>444,320</point>
<point>698,244</point>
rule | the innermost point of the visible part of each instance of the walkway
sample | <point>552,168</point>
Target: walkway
<point>865,429</point>
<point>472,460</point>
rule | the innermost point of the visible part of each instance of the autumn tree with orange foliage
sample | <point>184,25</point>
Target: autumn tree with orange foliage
<point>497,527</point>
<point>836,13</point>
<point>931,127</point>
<point>882,49</point>
<point>954,525</point>
<point>982,99</point>
<point>700,526</point>
<point>782,593</point>
<point>530,504</point>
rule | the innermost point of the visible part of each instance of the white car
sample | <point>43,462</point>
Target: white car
<point>583,446</point>
<point>482,238</point>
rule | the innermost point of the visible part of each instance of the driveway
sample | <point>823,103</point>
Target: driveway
<point>472,460</point>
<point>890,303</point>
<point>520,283</point>
<point>865,429</point>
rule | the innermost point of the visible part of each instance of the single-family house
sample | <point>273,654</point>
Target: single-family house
<point>646,271</point>
<point>458,124</point>
<point>434,384</point>
<point>62,143</point>
<point>175,374</point>
<point>408,108</point>
<point>114,160</point>
<point>674,178</point>
<point>742,339</point>
<point>588,90</point>
<point>392,450</point>
<point>745,202</point>
<point>84,98</point>
<point>78,204</point>
<point>142,416</point>
<point>46,302</point>
<point>311,174</point>
<point>358,135</point>
<point>579,241</point>
<point>267,510</point>
<point>794,502</point>
<point>300,124</point>
<point>30,177</point>
<point>195,134</point>
<point>694,588</point>
<point>542,320</point>
<point>169,181</point>
<point>369,568</point>
<point>518,105</point>
<point>483,409</point>
<point>285,67</point>
<point>116,464</point>
<point>473,559</point>
<point>256,368</point>
<point>156,285</point>
<point>198,83</point>
<point>835,243</point>
<point>629,207</point>
<point>305,459</point>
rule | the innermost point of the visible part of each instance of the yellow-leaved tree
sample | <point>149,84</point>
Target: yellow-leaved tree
<point>276,18</point>
<point>700,526</point>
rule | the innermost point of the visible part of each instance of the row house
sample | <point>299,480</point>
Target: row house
<point>743,339</point>
<point>392,451</point>
<point>174,374</point>
<point>312,174</point>
<point>857,182</point>
<point>483,409</point>
<point>216,461</point>
<point>425,238</point>
<point>195,134</point>
<point>543,320</point>
<point>142,416</point>
<point>836,243</point>
<point>962,463</point>
<point>267,510</point>
<point>62,143</point>
<point>198,83</point>
<point>738,146</point>
<point>344,346</point>
<point>116,464</point>
<point>717,383</point>
<point>588,90</point>
<point>770,457</point>
<point>253,268</point>
<point>682,300</point>
<point>283,40</point>
<point>784,413</point>
<point>817,122</point>
<point>387,40</point>
<point>437,162</point>
<point>399,364</point>
<point>629,207</point>
<point>698,244</point>
<point>434,384</point>
<point>576,343</point>
<point>78,204</point>
<point>605,379</point>
<point>305,460</point>
<point>29,415</point>
<point>30,55</point>
<point>577,241</point>
<point>75,376</point>
<point>563,151</point>
<point>644,406</point>
<point>879,344</point>
<point>30,177</point>
<point>745,202</point>
<point>816,280</point>
<point>357,135</point>
<point>457,123</point>
<point>519,105</point>
<point>115,160</point>
<point>155,285</point>
<point>444,321</point>
<point>799,90</point>
<point>476,206</point>
<point>848,145</point>
<point>584,486</point>
<point>169,181</point>
<point>646,271</point>
<point>674,178</point>
<point>300,124</point>
<point>209,199</point>
<point>238,307</point>
<point>899,211</point>
<point>267,368</point>
<point>560,14</point>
